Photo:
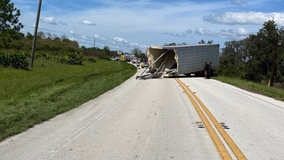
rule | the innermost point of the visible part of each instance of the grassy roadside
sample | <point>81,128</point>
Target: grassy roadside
<point>276,93</point>
<point>31,97</point>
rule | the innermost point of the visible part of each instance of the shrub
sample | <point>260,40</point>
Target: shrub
<point>14,61</point>
<point>92,60</point>
<point>60,59</point>
<point>45,55</point>
<point>73,59</point>
<point>106,58</point>
<point>37,56</point>
<point>232,71</point>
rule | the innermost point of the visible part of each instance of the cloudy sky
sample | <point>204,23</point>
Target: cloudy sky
<point>128,24</point>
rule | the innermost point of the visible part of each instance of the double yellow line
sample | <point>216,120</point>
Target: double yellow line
<point>215,138</point>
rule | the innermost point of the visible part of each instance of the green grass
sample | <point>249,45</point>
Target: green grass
<point>273,92</point>
<point>30,97</point>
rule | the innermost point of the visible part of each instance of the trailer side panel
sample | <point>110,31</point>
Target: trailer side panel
<point>191,59</point>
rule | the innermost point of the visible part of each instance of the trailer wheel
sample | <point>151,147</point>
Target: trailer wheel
<point>199,74</point>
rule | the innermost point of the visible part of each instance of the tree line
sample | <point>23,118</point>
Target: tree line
<point>252,58</point>
<point>11,39</point>
<point>20,42</point>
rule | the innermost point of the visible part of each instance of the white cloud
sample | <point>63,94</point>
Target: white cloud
<point>72,32</point>
<point>186,33</point>
<point>134,44</point>
<point>245,18</point>
<point>238,2</point>
<point>88,23</point>
<point>236,34</point>
<point>120,40</point>
<point>204,32</point>
<point>84,37</point>
<point>99,37</point>
<point>243,31</point>
<point>63,23</point>
<point>172,34</point>
<point>73,39</point>
<point>33,26</point>
<point>49,20</point>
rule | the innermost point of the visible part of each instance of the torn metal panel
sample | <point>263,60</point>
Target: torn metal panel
<point>153,61</point>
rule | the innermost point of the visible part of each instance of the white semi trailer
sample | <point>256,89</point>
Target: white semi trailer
<point>183,59</point>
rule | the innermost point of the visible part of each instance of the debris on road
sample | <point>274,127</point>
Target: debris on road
<point>169,61</point>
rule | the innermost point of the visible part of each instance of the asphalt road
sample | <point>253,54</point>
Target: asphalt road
<point>154,119</point>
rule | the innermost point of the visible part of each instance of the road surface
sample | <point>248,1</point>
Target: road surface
<point>154,119</point>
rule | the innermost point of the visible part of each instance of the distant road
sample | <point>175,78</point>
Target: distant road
<point>154,119</point>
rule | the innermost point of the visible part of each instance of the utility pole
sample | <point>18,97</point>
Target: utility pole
<point>35,33</point>
<point>274,59</point>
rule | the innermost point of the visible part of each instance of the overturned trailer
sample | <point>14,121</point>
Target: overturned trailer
<point>185,59</point>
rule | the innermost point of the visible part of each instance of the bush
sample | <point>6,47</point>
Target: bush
<point>45,55</point>
<point>37,56</point>
<point>60,59</point>
<point>73,59</point>
<point>92,60</point>
<point>14,61</point>
<point>106,58</point>
<point>231,71</point>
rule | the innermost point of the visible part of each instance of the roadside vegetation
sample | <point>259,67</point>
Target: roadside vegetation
<point>276,92</point>
<point>252,58</point>
<point>248,63</point>
<point>31,97</point>
<point>63,75</point>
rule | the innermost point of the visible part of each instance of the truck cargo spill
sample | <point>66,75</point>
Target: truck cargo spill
<point>170,61</point>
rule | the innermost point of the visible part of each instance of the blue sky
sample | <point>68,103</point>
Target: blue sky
<point>125,24</point>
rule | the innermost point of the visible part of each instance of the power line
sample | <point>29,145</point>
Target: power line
<point>68,17</point>
<point>75,15</point>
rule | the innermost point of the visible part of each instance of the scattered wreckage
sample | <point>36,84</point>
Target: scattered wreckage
<point>169,61</point>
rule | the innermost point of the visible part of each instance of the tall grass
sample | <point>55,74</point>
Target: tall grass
<point>31,97</point>
<point>273,92</point>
